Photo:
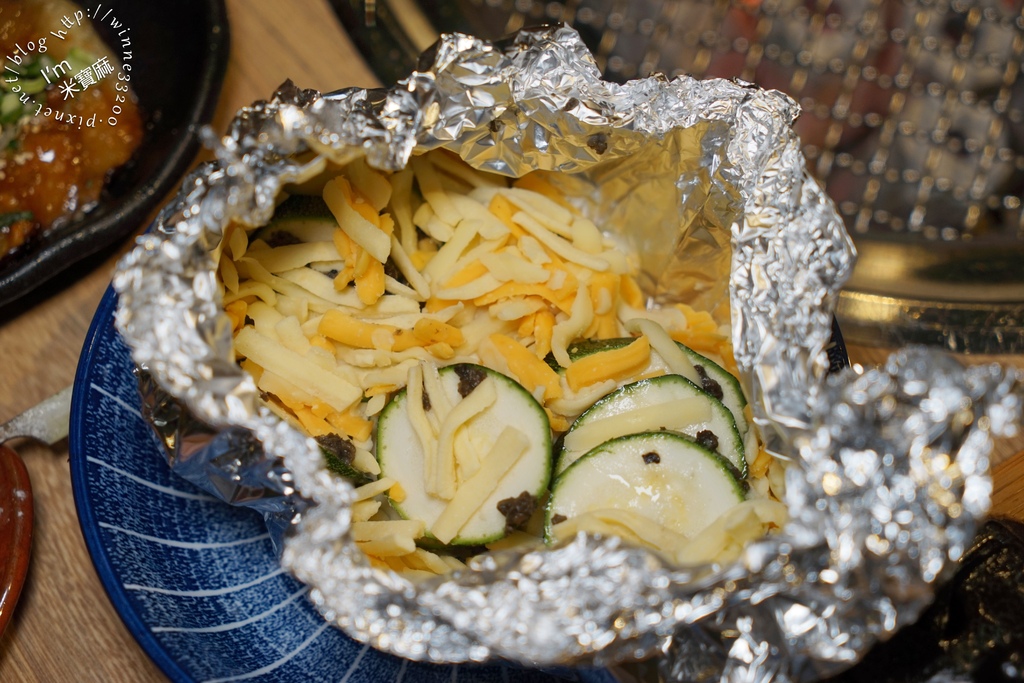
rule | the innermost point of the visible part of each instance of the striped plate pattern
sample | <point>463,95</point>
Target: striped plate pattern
<point>196,580</point>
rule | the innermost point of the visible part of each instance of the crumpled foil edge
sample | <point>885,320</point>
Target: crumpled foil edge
<point>890,470</point>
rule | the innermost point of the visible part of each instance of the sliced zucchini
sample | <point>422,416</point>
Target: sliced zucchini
<point>668,402</point>
<point>300,218</point>
<point>661,488</point>
<point>338,453</point>
<point>719,382</point>
<point>511,439</point>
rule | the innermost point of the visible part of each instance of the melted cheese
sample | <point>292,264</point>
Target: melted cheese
<point>625,524</point>
<point>528,369</point>
<point>360,230</point>
<point>374,488</point>
<point>509,447</point>
<point>609,365</point>
<point>267,353</point>
<point>566,331</point>
<point>673,356</point>
<point>478,400</point>
<point>391,545</point>
<point>422,427</point>
<point>369,531</point>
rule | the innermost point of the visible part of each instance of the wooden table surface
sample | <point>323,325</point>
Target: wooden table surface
<point>65,629</point>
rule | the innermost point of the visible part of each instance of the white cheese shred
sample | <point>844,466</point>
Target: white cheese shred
<point>509,447</point>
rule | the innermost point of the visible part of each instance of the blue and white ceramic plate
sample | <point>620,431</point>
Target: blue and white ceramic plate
<point>196,580</point>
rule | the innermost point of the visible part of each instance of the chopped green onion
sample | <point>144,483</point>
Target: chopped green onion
<point>9,219</point>
<point>33,86</point>
<point>10,108</point>
<point>34,67</point>
<point>79,59</point>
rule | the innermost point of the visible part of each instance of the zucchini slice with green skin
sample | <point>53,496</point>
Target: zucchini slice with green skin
<point>401,454</point>
<point>668,402</point>
<point>718,379</point>
<point>661,476</point>
<point>300,218</point>
<point>338,452</point>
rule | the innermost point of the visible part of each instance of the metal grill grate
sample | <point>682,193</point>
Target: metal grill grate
<point>913,120</point>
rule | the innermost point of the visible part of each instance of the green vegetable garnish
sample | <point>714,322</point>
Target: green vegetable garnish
<point>8,219</point>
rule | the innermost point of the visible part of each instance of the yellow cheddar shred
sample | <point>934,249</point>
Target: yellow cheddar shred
<point>379,389</point>
<point>370,283</point>
<point>535,182</point>
<point>504,209</point>
<point>310,422</point>
<point>526,325</point>
<point>322,342</point>
<point>344,328</point>
<point>466,275</point>
<point>321,410</point>
<point>236,312</point>
<point>630,292</point>
<point>530,370</point>
<point>430,331</point>
<point>253,369</point>
<point>618,364</point>
<point>759,467</point>
<point>349,252</point>
<point>441,350</point>
<point>509,290</point>
<point>558,422</point>
<point>543,326</point>
<point>359,428</point>
<point>397,493</point>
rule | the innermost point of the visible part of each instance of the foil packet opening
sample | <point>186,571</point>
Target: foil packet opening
<point>706,182</point>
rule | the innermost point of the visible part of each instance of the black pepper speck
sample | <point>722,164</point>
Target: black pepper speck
<point>470,377</point>
<point>708,384</point>
<point>707,439</point>
<point>517,511</point>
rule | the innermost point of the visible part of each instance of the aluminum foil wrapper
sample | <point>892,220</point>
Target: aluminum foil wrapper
<point>705,181</point>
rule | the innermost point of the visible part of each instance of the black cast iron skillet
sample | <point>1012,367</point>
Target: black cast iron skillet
<point>179,55</point>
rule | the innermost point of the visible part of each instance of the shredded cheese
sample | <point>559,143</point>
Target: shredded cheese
<point>635,527</point>
<point>480,399</point>
<point>369,531</point>
<point>615,365</point>
<point>364,510</point>
<point>366,305</point>
<point>528,369</point>
<point>372,489</point>
<point>558,244</point>
<point>392,545</point>
<point>267,353</point>
<point>421,425</point>
<point>666,348</point>
<point>565,332</point>
<point>508,448</point>
<point>355,225</point>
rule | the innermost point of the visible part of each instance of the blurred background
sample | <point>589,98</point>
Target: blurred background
<point>913,119</point>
